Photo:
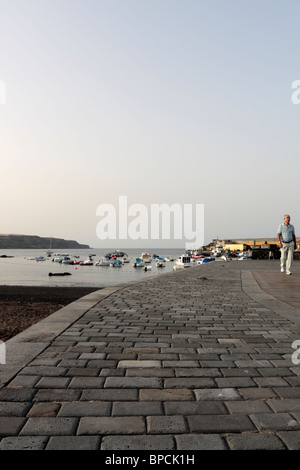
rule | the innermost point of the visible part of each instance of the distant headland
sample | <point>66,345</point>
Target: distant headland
<point>35,242</point>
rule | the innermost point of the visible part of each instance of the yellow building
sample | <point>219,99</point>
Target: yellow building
<point>234,247</point>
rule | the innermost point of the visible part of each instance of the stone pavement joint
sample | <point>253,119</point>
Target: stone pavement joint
<point>199,358</point>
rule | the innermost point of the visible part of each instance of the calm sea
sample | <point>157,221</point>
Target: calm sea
<point>21,271</point>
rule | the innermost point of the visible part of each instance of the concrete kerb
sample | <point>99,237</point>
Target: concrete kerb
<point>27,345</point>
<point>253,290</point>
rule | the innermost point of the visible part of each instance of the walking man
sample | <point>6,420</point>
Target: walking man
<point>287,244</point>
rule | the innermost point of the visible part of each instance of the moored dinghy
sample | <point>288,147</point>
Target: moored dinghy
<point>138,263</point>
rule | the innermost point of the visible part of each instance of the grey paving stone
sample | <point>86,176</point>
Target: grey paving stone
<point>43,409</point>
<point>110,394</point>
<point>86,382</point>
<point>286,405</point>
<point>111,425</point>
<point>180,363</point>
<point>26,381</point>
<point>291,439</point>
<point>288,392</point>
<point>198,372</point>
<point>85,409</point>
<point>44,371</point>
<point>234,382</point>
<point>53,382</point>
<point>200,442</point>
<point>146,442</point>
<point>49,427</point>
<point>140,372</point>
<point>257,393</point>
<point>11,425</point>
<point>84,372</point>
<point>248,407</point>
<point>166,424</point>
<point>137,408</point>
<point>165,395</point>
<point>218,394</point>
<point>17,394</point>
<point>74,443</point>
<point>24,443</point>
<point>270,382</point>
<point>14,408</point>
<point>186,382</point>
<point>254,441</point>
<point>275,422</point>
<point>57,395</point>
<point>219,423</point>
<point>194,408</point>
<point>138,363</point>
<point>133,382</point>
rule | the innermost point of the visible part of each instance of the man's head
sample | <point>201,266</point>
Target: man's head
<point>287,219</point>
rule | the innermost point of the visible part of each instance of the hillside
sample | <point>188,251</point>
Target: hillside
<point>33,241</point>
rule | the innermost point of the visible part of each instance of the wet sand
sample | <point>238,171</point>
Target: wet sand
<point>21,307</point>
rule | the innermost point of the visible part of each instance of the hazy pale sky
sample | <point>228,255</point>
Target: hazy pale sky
<point>164,101</point>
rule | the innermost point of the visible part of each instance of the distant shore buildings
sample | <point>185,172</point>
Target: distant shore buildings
<point>260,248</point>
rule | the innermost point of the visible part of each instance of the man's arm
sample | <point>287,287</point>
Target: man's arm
<point>295,242</point>
<point>279,239</point>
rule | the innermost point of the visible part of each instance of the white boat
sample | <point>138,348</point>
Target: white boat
<point>67,260</point>
<point>102,262</point>
<point>87,262</point>
<point>160,264</point>
<point>183,261</point>
<point>138,263</point>
<point>146,257</point>
<point>244,255</point>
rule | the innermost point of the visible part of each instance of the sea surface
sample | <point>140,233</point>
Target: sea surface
<point>21,271</point>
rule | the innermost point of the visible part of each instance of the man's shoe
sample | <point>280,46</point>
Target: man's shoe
<point>282,270</point>
<point>288,272</point>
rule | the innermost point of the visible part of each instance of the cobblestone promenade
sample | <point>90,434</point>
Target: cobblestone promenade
<point>199,359</point>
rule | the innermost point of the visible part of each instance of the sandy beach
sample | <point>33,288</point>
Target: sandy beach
<point>21,307</point>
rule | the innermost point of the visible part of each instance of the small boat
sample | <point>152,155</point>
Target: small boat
<point>102,262</point>
<point>183,261</point>
<point>67,260</point>
<point>147,268</point>
<point>206,260</point>
<point>40,258</point>
<point>146,257</point>
<point>57,259</point>
<point>160,264</point>
<point>138,263</point>
<point>87,262</point>
<point>116,263</point>
<point>125,260</point>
